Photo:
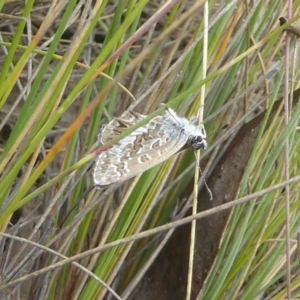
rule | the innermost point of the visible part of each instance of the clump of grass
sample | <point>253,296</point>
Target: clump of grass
<point>67,68</point>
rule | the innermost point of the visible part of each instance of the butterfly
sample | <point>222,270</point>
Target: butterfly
<point>146,147</point>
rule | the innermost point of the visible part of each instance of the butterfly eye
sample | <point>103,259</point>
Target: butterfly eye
<point>198,142</point>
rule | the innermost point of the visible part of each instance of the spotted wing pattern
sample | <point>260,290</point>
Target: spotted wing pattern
<point>143,149</point>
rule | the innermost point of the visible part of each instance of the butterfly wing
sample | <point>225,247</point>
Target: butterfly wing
<point>143,149</point>
<point>117,125</point>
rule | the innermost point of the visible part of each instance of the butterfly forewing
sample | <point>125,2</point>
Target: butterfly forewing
<point>118,125</point>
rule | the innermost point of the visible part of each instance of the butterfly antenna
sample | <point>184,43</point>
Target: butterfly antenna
<point>223,127</point>
<point>205,183</point>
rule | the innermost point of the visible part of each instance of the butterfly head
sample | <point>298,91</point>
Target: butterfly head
<point>198,140</point>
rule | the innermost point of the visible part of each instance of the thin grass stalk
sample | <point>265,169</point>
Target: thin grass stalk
<point>287,157</point>
<point>197,166</point>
